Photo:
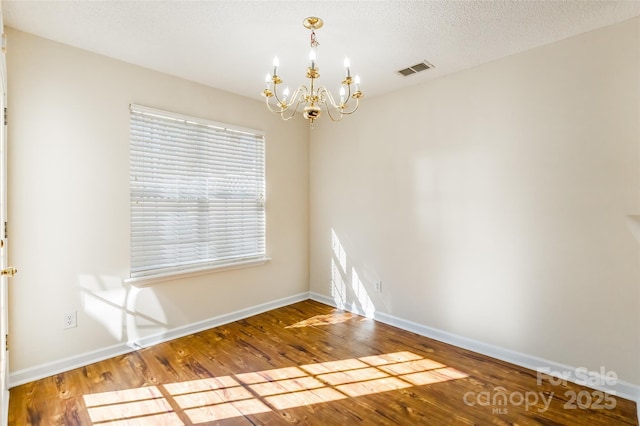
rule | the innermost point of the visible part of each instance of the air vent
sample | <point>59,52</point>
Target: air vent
<point>413,69</point>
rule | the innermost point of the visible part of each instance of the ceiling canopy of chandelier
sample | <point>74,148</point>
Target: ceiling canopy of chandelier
<point>313,99</point>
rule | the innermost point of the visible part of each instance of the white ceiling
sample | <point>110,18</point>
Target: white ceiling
<point>231,44</point>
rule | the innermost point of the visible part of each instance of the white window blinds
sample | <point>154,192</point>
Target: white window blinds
<point>197,193</point>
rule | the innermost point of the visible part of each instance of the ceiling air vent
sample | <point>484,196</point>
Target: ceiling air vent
<point>413,69</point>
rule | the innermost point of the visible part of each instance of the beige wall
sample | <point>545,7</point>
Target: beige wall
<point>69,203</point>
<point>495,203</point>
<point>498,203</point>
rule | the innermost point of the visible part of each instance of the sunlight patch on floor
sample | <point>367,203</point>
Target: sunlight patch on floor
<point>237,395</point>
<point>327,319</point>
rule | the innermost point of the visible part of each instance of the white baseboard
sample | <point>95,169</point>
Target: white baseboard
<point>41,371</point>
<point>27,375</point>
<point>620,388</point>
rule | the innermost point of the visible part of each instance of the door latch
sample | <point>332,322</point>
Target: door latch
<point>9,272</point>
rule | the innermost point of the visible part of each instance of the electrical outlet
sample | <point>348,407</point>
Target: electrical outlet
<point>377,287</point>
<point>70,320</point>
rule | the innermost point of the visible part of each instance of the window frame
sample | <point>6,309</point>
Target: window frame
<point>183,269</point>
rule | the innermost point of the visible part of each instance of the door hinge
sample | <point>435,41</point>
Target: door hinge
<point>6,342</point>
<point>6,232</point>
<point>6,116</point>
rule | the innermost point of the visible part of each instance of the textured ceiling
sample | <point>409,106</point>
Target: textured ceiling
<point>231,44</point>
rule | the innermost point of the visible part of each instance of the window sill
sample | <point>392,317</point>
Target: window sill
<point>145,281</point>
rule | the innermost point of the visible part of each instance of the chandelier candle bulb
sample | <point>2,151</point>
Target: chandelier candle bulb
<point>285,94</point>
<point>357,82</point>
<point>312,58</point>
<point>342,93</point>
<point>347,64</point>
<point>276,64</point>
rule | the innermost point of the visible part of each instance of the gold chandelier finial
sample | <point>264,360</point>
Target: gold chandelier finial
<point>311,98</point>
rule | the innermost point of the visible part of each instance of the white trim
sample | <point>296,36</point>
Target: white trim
<point>188,118</point>
<point>38,372</point>
<point>620,388</point>
<point>5,409</point>
<point>145,281</point>
<point>49,369</point>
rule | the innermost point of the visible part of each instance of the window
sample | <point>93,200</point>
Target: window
<point>197,194</point>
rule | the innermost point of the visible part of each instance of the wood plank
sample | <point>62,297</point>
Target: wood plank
<point>308,363</point>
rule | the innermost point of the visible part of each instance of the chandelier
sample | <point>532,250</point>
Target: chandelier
<point>313,99</point>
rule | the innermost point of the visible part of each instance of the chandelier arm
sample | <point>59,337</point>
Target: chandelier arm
<point>285,118</point>
<point>348,84</point>
<point>281,103</point>
<point>300,90</point>
<point>338,118</point>
<point>292,111</point>
<point>269,106</point>
<point>355,108</point>
<point>296,100</point>
<point>323,92</point>
<point>340,110</point>
<point>330,106</point>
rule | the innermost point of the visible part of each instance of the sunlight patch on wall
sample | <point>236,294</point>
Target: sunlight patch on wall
<point>103,300</point>
<point>342,275</point>
<point>366,305</point>
<point>338,286</point>
<point>116,307</point>
<point>338,250</point>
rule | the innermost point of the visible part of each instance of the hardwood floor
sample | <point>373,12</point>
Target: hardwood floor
<point>308,363</point>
